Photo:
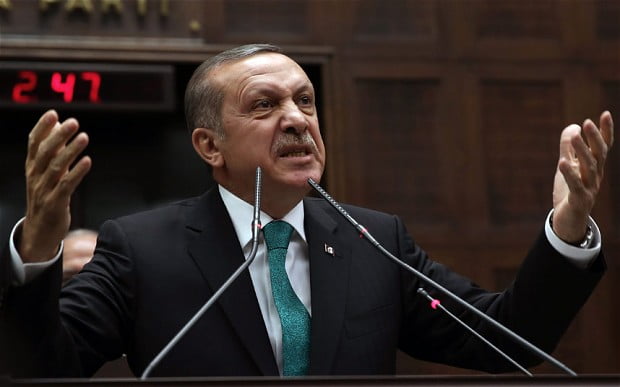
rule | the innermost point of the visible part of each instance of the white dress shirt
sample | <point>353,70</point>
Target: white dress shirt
<point>297,263</point>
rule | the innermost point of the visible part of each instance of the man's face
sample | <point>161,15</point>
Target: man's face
<point>269,120</point>
<point>78,251</point>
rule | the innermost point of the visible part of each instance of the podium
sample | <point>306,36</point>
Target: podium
<point>442,381</point>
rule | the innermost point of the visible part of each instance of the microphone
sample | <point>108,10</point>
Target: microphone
<point>421,276</point>
<point>256,226</point>
<point>435,304</point>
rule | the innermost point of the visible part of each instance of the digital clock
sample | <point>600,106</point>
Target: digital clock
<point>87,86</point>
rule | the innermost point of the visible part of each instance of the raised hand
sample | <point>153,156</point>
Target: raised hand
<point>583,151</point>
<point>50,182</point>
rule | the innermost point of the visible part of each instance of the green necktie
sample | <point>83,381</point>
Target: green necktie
<point>294,317</point>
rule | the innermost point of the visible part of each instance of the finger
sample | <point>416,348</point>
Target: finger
<point>566,148</point>
<point>53,143</point>
<point>607,128</point>
<point>69,182</point>
<point>60,164</point>
<point>572,178</point>
<point>40,131</point>
<point>597,144</point>
<point>588,165</point>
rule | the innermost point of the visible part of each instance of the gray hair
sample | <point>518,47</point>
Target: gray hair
<point>203,100</point>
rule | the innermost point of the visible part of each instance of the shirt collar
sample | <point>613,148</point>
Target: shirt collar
<point>241,214</point>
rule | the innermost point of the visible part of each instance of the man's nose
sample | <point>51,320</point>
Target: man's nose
<point>293,119</point>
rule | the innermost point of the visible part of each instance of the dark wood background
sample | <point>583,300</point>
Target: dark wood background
<point>446,112</point>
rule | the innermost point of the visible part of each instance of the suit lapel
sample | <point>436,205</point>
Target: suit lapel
<point>329,274</point>
<point>215,249</point>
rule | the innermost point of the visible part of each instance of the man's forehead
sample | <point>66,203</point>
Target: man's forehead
<point>255,65</point>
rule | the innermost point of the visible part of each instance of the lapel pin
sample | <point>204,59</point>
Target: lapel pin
<point>329,250</point>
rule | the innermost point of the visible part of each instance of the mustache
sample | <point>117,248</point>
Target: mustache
<point>294,139</point>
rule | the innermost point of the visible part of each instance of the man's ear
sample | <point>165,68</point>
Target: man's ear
<point>205,143</point>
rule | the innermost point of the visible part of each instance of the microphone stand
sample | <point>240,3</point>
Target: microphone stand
<point>435,304</point>
<point>429,281</point>
<point>256,226</point>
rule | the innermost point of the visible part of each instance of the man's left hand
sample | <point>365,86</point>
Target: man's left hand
<point>583,151</point>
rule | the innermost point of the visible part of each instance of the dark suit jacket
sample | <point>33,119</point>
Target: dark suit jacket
<point>152,271</point>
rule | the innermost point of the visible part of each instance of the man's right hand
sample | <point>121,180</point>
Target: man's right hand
<point>50,182</point>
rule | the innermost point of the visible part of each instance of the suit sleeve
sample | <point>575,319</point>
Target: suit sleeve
<point>70,333</point>
<point>545,296</point>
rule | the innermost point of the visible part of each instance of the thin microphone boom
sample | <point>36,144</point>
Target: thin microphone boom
<point>435,304</point>
<point>542,354</point>
<point>256,225</point>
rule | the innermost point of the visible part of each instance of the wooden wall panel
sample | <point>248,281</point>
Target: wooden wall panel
<point>393,149</point>
<point>287,19</point>
<point>399,28</point>
<point>513,29</point>
<point>607,16</point>
<point>612,334</point>
<point>517,20</point>
<point>401,145</point>
<point>396,20</point>
<point>610,98</point>
<point>519,133</point>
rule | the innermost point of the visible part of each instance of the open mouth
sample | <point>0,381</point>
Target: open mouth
<point>298,153</point>
<point>294,151</point>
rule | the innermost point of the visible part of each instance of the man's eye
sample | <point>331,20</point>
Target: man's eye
<point>305,100</point>
<point>263,104</point>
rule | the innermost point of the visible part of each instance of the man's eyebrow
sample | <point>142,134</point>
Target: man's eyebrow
<point>309,88</point>
<point>305,87</point>
<point>307,84</point>
<point>263,89</point>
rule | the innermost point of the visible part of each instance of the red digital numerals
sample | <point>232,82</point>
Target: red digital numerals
<point>28,83</point>
<point>24,91</point>
<point>95,81</point>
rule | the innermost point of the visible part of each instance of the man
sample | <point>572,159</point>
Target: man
<point>79,247</point>
<point>253,106</point>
